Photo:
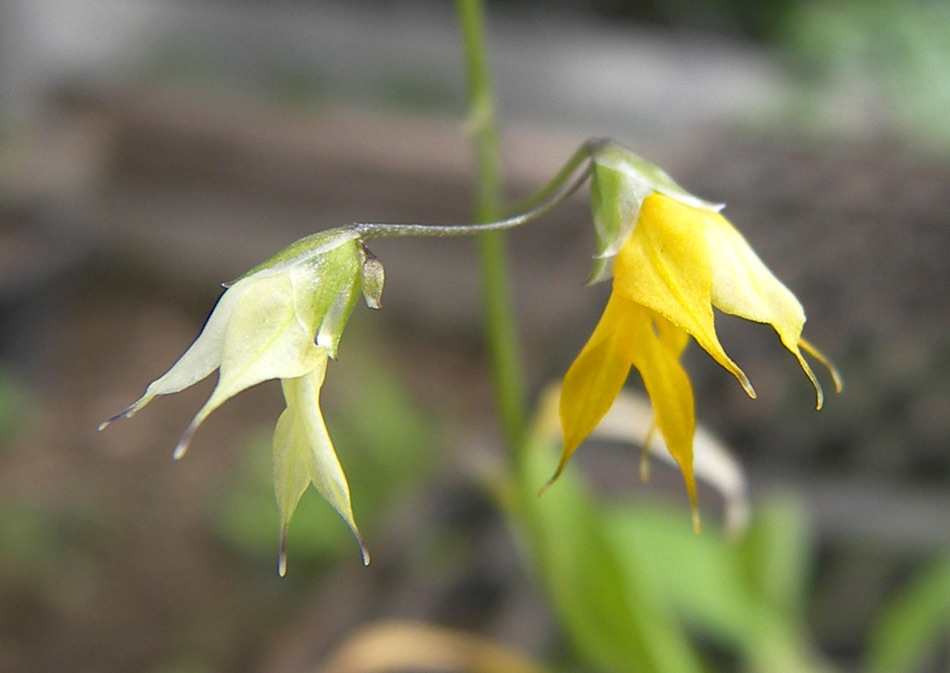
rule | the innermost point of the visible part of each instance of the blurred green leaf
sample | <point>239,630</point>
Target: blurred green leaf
<point>699,574</point>
<point>893,53</point>
<point>31,538</point>
<point>606,604</point>
<point>915,619</point>
<point>776,552</point>
<point>741,593</point>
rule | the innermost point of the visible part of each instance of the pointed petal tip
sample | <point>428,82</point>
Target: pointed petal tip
<point>740,375</point>
<point>693,499</point>
<point>645,455</point>
<point>182,447</point>
<point>819,393</point>
<point>119,416</point>
<point>549,482</point>
<point>282,551</point>
<point>747,386</point>
<point>364,551</point>
<point>818,355</point>
<point>838,381</point>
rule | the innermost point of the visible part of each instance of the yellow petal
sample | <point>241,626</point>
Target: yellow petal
<point>829,365</point>
<point>672,337</point>
<point>743,286</point>
<point>593,380</point>
<point>632,417</point>
<point>668,386</point>
<point>665,266</point>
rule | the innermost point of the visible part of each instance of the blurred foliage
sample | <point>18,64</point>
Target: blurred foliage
<point>636,589</point>
<point>894,54</point>
<point>614,615</point>
<point>746,595</point>
<point>36,540</point>
<point>633,586</point>
<point>917,617</point>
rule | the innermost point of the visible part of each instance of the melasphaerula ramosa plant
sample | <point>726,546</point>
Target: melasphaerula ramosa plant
<point>672,258</point>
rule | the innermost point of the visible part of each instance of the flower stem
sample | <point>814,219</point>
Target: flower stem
<point>545,199</point>
<point>500,328</point>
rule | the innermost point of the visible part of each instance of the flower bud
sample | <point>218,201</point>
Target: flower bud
<point>373,279</point>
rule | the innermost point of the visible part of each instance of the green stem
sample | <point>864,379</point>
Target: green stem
<point>547,198</point>
<point>552,192</point>
<point>500,328</point>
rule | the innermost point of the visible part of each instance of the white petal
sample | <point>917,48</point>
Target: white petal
<point>266,337</point>
<point>201,358</point>
<point>264,340</point>
<point>292,469</point>
<point>327,473</point>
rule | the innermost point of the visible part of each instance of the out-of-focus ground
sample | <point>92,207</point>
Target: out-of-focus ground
<point>188,143</point>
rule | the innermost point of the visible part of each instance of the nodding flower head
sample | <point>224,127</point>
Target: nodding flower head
<point>282,320</point>
<point>673,258</point>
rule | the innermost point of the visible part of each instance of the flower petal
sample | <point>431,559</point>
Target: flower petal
<point>665,266</point>
<point>594,379</point>
<point>619,183</point>
<point>654,351</point>
<point>266,338</point>
<point>326,290</point>
<point>201,358</point>
<point>829,365</point>
<point>644,177</point>
<point>292,468</point>
<point>743,286</point>
<point>306,444</point>
<point>265,323</point>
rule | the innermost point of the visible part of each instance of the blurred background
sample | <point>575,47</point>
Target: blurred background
<point>151,150</point>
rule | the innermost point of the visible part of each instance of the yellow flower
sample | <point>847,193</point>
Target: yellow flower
<point>677,258</point>
<point>282,320</point>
